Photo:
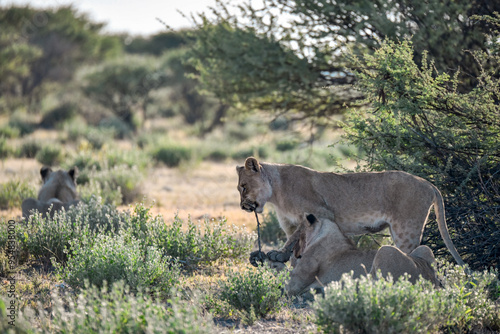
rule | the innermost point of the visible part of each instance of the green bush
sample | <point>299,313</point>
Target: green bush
<point>116,185</point>
<point>420,122</point>
<point>261,152</point>
<point>120,128</point>
<point>59,115</point>
<point>5,149</point>
<point>256,292</point>
<point>478,291</point>
<point>13,192</point>
<point>194,245</point>
<point>22,123</point>
<point>116,310</point>
<point>287,145</point>
<point>50,155</point>
<point>112,258</point>
<point>29,149</point>
<point>172,155</point>
<point>9,132</point>
<point>384,306</point>
<point>45,238</point>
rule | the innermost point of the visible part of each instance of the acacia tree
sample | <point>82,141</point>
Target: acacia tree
<point>419,121</point>
<point>288,55</point>
<point>46,45</point>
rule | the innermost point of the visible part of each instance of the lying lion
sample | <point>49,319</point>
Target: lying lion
<point>358,202</point>
<point>58,191</point>
<point>323,254</point>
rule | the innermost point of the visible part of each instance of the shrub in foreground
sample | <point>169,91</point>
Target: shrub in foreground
<point>255,292</point>
<point>384,306</point>
<point>115,258</point>
<point>116,310</point>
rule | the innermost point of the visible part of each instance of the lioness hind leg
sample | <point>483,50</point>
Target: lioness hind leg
<point>407,236</point>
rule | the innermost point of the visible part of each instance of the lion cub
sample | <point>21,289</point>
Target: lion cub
<point>323,253</point>
<point>58,191</point>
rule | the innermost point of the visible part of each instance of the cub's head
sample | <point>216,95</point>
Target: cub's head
<point>60,184</point>
<point>305,231</point>
<point>254,186</point>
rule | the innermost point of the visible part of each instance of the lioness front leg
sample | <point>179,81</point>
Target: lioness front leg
<point>303,276</point>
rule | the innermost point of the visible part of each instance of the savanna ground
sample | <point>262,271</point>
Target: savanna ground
<point>197,189</point>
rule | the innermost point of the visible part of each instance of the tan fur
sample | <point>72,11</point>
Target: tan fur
<point>58,191</point>
<point>358,202</point>
<point>325,254</point>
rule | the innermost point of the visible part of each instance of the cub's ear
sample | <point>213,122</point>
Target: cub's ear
<point>252,164</point>
<point>311,219</point>
<point>73,173</point>
<point>239,169</point>
<point>45,172</point>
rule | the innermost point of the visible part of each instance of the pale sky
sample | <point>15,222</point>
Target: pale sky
<point>132,16</point>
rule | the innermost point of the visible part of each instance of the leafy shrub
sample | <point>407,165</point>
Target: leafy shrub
<point>117,185</point>
<point>13,192</point>
<point>29,149</point>
<point>49,155</point>
<point>256,291</point>
<point>171,155</point>
<point>261,152</point>
<point>45,238</point>
<point>59,115</point>
<point>478,291</point>
<point>218,155</point>
<point>112,258</point>
<point>5,149</point>
<point>101,188</point>
<point>22,124</point>
<point>287,145</point>
<point>117,310</point>
<point>384,306</point>
<point>120,128</point>
<point>421,123</point>
<point>194,245</point>
<point>9,132</point>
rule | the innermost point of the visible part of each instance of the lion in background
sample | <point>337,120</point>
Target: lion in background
<point>323,254</point>
<point>58,191</point>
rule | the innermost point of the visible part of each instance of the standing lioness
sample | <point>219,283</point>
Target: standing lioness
<point>357,202</point>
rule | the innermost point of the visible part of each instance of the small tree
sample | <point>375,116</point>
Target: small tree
<point>419,122</point>
<point>125,88</point>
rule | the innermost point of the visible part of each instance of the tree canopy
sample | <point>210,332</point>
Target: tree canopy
<point>45,45</point>
<point>289,55</point>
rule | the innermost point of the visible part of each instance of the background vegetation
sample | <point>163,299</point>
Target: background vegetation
<point>410,86</point>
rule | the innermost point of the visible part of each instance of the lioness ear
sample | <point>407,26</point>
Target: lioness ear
<point>239,169</point>
<point>311,219</point>
<point>252,164</point>
<point>45,172</point>
<point>73,173</point>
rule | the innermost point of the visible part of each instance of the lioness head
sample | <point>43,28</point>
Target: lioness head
<point>253,185</point>
<point>59,184</point>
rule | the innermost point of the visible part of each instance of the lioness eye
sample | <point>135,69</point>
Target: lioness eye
<point>243,187</point>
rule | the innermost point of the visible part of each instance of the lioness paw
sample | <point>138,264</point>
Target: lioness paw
<point>257,257</point>
<point>277,256</point>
